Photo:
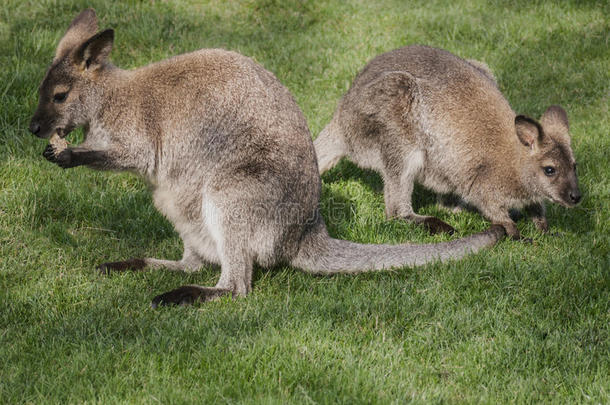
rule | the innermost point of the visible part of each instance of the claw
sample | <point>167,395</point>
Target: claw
<point>49,153</point>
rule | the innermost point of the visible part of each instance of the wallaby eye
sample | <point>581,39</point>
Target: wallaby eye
<point>549,170</point>
<point>60,97</point>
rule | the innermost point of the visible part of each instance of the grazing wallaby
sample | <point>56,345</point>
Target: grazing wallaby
<point>420,114</point>
<point>227,153</point>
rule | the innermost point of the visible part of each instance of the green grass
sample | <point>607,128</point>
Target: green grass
<point>517,323</point>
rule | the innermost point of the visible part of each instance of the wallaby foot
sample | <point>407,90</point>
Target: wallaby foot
<point>541,224</point>
<point>435,225</point>
<point>189,294</point>
<point>538,215</point>
<point>511,230</point>
<point>131,264</point>
<point>184,265</point>
<point>190,262</point>
<point>432,224</point>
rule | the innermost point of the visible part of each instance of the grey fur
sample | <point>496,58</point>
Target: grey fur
<point>420,114</point>
<point>227,153</point>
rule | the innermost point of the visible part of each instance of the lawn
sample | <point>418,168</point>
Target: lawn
<point>517,323</point>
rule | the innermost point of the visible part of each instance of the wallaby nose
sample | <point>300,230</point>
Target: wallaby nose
<point>575,197</point>
<point>34,127</point>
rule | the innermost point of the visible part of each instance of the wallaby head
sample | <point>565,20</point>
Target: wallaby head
<point>550,163</point>
<point>66,92</point>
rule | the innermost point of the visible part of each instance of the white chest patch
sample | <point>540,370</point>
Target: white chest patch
<point>212,220</point>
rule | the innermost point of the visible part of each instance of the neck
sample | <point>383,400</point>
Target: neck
<point>527,182</point>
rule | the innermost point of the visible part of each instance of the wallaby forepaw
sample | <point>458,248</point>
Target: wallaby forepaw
<point>435,225</point>
<point>49,153</point>
<point>64,159</point>
<point>131,264</point>
<point>541,225</point>
<point>187,295</point>
<point>61,158</point>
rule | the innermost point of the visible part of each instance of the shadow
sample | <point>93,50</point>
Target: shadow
<point>127,216</point>
<point>346,170</point>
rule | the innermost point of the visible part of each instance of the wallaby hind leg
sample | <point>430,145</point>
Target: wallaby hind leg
<point>236,262</point>
<point>330,147</point>
<point>235,279</point>
<point>190,262</point>
<point>400,198</point>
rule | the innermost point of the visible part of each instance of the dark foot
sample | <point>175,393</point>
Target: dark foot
<point>435,225</point>
<point>187,295</point>
<point>131,264</point>
<point>542,225</point>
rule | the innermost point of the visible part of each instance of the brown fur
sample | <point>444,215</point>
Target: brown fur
<point>227,153</point>
<point>420,114</point>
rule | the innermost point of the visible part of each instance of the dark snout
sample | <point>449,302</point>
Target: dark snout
<point>41,126</point>
<point>571,194</point>
<point>34,127</point>
<point>575,196</point>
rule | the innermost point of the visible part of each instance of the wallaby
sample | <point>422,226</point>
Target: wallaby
<point>227,153</point>
<point>420,114</point>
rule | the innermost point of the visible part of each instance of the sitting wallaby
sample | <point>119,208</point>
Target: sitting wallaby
<point>227,153</point>
<point>420,114</point>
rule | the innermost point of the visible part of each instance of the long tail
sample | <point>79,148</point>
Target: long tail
<point>321,254</point>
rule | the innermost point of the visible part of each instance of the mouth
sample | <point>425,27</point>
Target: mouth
<point>61,132</point>
<point>563,203</point>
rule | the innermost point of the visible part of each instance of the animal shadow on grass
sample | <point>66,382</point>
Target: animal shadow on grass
<point>346,170</point>
<point>129,217</point>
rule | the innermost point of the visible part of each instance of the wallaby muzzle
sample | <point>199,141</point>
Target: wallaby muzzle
<point>41,126</point>
<point>571,194</point>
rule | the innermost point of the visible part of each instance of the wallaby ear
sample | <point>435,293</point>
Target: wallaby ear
<point>94,52</point>
<point>555,123</point>
<point>528,131</point>
<point>82,27</point>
